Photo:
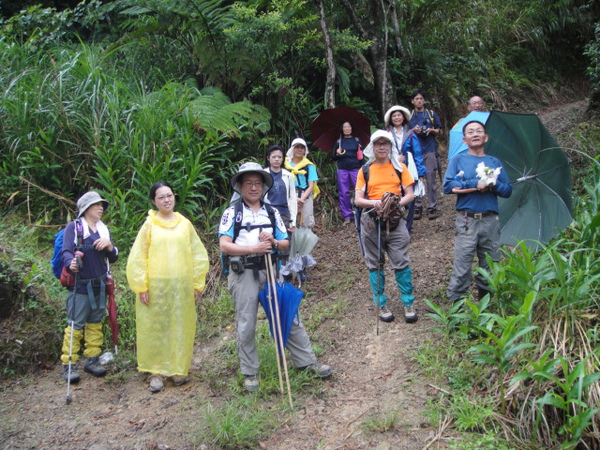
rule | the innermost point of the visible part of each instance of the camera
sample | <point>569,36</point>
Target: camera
<point>236,264</point>
<point>424,128</point>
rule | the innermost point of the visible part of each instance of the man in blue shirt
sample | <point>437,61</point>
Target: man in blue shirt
<point>477,222</point>
<point>256,239</point>
<point>427,125</point>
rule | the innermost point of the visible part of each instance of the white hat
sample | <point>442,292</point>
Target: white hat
<point>297,141</point>
<point>388,115</point>
<point>88,199</point>
<point>252,167</point>
<point>393,155</point>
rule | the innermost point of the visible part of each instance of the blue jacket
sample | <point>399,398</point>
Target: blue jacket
<point>478,202</point>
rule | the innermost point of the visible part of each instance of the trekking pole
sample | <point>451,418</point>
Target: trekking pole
<point>272,314</point>
<point>379,268</point>
<point>285,370</point>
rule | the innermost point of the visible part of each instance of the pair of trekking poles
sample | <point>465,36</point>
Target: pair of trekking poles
<point>272,297</point>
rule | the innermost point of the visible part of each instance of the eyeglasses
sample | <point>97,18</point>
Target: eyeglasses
<point>251,184</point>
<point>477,103</point>
<point>162,198</point>
<point>472,132</point>
<point>381,143</point>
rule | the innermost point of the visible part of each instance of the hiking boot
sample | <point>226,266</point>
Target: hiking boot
<point>347,222</point>
<point>433,214</point>
<point>93,366</point>
<point>410,315</point>
<point>180,380</point>
<point>156,383</point>
<point>418,214</point>
<point>250,383</point>
<point>74,376</point>
<point>385,315</point>
<point>482,293</point>
<point>320,369</point>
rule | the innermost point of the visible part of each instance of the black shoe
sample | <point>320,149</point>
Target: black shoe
<point>482,293</point>
<point>321,370</point>
<point>93,366</point>
<point>385,315</point>
<point>433,214</point>
<point>418,214</point>
<point>251,383</point>
<point>73,376</point>
<point>410,314</point>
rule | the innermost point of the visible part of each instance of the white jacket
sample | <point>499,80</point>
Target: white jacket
<point>292,198</point>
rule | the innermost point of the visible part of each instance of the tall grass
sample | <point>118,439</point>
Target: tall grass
<point>76,118</point>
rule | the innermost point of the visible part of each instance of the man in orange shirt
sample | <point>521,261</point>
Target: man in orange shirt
<point>384,174</point>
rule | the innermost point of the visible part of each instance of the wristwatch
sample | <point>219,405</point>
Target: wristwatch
<point>276,246</point>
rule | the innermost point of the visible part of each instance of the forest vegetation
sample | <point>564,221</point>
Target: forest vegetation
<point>115,95</point>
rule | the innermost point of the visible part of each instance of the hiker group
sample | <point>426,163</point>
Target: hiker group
<point>382,187</point>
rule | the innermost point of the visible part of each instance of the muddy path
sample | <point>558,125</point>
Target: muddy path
<point>375,373</point>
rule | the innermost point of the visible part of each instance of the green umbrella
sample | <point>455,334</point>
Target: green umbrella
<point>540,172</point>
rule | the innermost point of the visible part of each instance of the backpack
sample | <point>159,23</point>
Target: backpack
<point>56,261</point>
<point>238,212</point>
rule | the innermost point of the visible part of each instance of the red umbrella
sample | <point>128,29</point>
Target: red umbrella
<point>326,128</point>
<point>111,306</point>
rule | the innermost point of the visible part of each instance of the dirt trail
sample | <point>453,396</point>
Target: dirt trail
<point>373,373</point>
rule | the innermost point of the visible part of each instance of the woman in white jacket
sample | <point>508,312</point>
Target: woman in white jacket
<point>282,196</point>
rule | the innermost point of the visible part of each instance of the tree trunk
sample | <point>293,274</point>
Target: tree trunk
<point>331,71</point>
<point>378,50</point>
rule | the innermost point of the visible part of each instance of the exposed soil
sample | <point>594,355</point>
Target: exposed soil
<point>374,373</point>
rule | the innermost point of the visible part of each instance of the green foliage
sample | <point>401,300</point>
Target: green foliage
<point>537,339</point>
<point>31,316</point>
<point>388,420</point>
<point>593,53</point>
<point>240,423</point>
<point>73,123</point>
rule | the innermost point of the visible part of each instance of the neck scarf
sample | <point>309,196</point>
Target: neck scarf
<point>298,170</point>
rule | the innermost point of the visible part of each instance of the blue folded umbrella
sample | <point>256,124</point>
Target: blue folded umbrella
<point>289,298</point>
<point>456,144</point>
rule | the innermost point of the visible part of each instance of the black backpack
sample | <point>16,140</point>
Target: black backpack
<point>238,213</point>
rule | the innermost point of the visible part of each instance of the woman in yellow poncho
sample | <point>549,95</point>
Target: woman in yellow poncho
<point>167,267</point>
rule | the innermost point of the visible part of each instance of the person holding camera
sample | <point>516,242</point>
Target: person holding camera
<point>427,125</point>
<point>248,231</point>
<point>87,251</point>
<point>167,269</point>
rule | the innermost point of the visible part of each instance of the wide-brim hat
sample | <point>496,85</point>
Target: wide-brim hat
<point>388,115</point>
<point>297,141</point>
<point>252,167</point>
<point>369,152</point>
<point>88,199</point>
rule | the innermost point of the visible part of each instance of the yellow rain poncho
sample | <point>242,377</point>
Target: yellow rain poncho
<point>169,261</point>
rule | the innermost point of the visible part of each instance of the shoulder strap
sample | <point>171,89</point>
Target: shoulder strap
<point>430,114</point>
<point>271,213</point>
<point>365,170</point>
<point>238,212</point>
<point>78,230</point>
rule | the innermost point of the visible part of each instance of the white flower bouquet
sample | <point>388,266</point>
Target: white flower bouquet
<point>487,175</point>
